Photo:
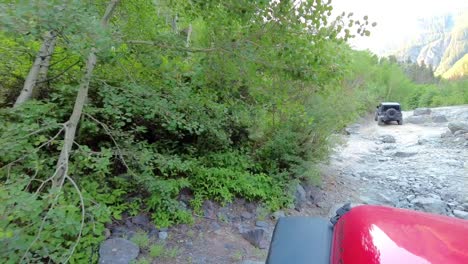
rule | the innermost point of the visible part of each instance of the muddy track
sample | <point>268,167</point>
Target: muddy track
<point>418,166</point>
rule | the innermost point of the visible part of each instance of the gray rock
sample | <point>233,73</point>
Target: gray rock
<point>278,214</point>
<point>229,246</point>
<point>439,119</point>
<point>416,119</point>
<point>262,224</point>
<point>389,147</point>
<point>243,228</point>
<point>457,125</point>
<point>404,154</point>
<point>421,111</point>
<point>422,141</point>
<point>163,235</point>
<point>460,133</point>
<point>300,196</point>
<point>121,231</point>
<point>246,215</point>
<point>410,197</point>
<point>446,134</point>
<point>141,220</point>
<point>208,209</point>
<point>352,129</point>
<point>387,139</point>
<point>199,260</point>
<point>251,207</point>
<point>255,237</point>
<point>461,214</point>
<point>215,226</point>
<point>117,251</point>
<point>153,233</point>
<point>430,204</point>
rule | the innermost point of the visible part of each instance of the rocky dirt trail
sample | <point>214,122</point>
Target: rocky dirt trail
<point>421,165</point>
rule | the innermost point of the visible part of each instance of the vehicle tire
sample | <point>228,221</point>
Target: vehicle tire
<point>380,122</point>
<point>400,122</point>
<point>391,114</point>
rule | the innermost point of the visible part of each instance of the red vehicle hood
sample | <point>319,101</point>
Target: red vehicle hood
<point>383,235</point>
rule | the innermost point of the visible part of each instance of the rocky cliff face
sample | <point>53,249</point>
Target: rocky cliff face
<point>441,43</point>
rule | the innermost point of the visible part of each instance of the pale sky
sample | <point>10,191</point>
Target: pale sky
<point>396,19</point>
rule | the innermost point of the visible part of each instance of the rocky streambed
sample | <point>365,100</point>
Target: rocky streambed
<point>421,165</point>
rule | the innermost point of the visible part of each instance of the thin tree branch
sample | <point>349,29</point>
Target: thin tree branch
<point>36,149</point>
<point>82,205</point>
<point>164,46</point>
<point>61,73</point>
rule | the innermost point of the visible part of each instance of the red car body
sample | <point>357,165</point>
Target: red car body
<point>370,234</point>
<point>384,235</point>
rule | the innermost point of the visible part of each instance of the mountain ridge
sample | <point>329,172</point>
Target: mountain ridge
<point>441,43</point>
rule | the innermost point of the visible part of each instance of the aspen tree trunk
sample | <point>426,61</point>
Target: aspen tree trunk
<point>44,69</point>
<point>39,67</point>
<point>189,35</point>
<point>72,123</point>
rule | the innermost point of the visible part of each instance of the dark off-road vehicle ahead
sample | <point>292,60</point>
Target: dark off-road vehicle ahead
<point>387,112</point>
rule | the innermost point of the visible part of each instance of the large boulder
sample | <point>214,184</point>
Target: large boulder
<point>118,251</point>
<point>300,197</point>
<point>417,119</point>
<point>458,125</point>
<point>439,119</point>
<point>387,139</point>
<point>421,111</point>
<point>461,214</point>
<point>255,237</point>
<point>430,204</point>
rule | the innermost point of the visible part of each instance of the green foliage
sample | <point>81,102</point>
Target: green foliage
<point>141,239</point>
<point>156,250</point>
<point>244,109</point>
<point>411,84</point>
